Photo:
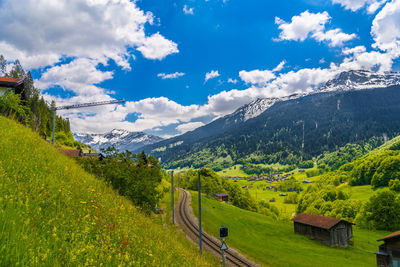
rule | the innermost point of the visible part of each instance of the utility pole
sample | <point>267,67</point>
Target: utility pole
<point>200,233</point>
<point>172,196</point>
<point>302,145</point>
<point>92,104</point>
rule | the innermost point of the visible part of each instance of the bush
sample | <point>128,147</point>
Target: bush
<point>291,198</point>
<point>381,212</point>
<point>395,185</point>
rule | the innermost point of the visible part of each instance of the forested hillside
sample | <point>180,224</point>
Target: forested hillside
<point>30,108</point>
<point>331,120</point>
<point>379,170</point>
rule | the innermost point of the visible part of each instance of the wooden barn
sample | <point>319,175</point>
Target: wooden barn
<point>389,252</point>
<point>222,197</point>
<point>330,231</point>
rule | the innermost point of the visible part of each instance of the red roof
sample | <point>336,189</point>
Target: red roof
<point>70,152</point>
<point>9,80</point>
<point>392,235</point>
<point>317,220</point>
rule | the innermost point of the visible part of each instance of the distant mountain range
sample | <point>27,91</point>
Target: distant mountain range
<point>270,129</point>
<point>120,139</point>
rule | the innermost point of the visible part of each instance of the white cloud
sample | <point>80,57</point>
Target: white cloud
<point>211,75</point>
<point>280,66</point>
<point>311,25</point>
<point>234,81</point>
<point>78,76</point>
<point>188,10</point>
<point>301,26</point>
<point>355,50</point>
<point>186,127</point>
<point>157,47</point>
<point>48,31</point>
<point>334,37</point>
<point>354,5</point>
<point>171,75</point>
<point>386,29</point>
<point>259,77</point>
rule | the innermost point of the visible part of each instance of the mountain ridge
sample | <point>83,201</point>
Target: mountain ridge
<point>119,138</point>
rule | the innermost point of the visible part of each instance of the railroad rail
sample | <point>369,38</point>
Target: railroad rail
<point>210,243</point>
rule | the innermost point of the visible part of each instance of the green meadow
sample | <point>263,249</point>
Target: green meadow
<point>53,213</point>
<point>273,242</point>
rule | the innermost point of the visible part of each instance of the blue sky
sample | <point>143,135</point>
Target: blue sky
<point>157,54</point>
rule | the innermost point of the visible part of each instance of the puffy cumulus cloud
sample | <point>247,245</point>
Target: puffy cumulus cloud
<point>334,37</point>
<point>354,5</point>
<point>211,75</point>
<point>48,31</point>
<point>187,127</point>
<point>311,25</point>
<point>355,50</point>
<point>258,77</point>
<point>171,75</point>
<point>79,76</point>
<point>372,60</point>
<point>157,47</point>
<point>386,29</point>
<point>188,10</point>
<point>301,26</point>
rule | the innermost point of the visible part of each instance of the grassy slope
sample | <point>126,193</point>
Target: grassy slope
<point>53,213</point>
<point>273,243</point>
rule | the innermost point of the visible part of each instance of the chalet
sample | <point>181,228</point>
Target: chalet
<point>389,252</point>
<point>222,197</point>
<point>8,83</point>
<point>330,231</point>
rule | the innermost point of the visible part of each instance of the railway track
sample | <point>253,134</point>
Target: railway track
<point>209,242</point>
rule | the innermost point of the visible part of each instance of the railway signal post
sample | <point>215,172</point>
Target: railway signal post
<point>223,232</point>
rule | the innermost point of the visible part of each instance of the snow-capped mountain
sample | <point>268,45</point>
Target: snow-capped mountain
<point>345,81</point>
<point>120,139</point>
<point>257,107</point>
<point>361,79</point>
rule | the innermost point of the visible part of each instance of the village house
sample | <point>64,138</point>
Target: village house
<point>389,252</point>
<point>330,231</point>
<point>8,83</point>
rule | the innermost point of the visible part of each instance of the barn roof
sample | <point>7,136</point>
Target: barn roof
<point>317,220</point>
<point>221,195</point>
<point>392,235</point>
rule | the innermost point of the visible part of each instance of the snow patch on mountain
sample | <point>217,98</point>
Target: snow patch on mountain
<point>345,81</point>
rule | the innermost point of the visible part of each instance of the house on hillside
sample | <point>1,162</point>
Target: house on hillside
<point>7,83</point>
<point>222,197</point>
<point>389,252</point>
<point>330,231</point>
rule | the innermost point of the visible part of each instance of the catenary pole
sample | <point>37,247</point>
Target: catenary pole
<point>200,233</point>
<point>54,124</point>
<point>172,196</point>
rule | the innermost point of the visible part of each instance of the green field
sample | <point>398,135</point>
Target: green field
<point>52,213</point>
<point>273,243</point>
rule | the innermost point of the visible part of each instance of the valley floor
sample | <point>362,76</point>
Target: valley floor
<point>273,242</point>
